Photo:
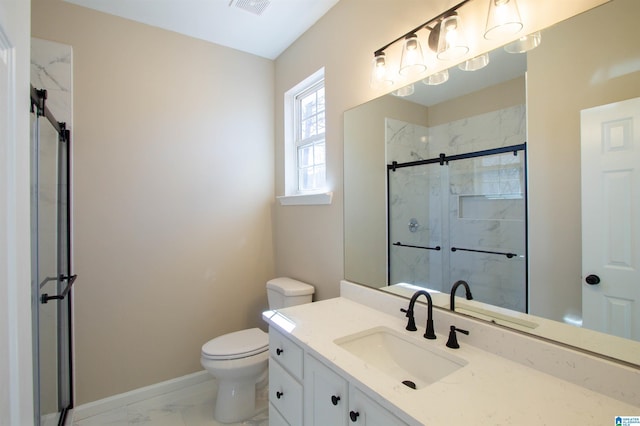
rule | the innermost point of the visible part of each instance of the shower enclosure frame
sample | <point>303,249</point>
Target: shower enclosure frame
<point>63,296</point>
<point>441,160</point>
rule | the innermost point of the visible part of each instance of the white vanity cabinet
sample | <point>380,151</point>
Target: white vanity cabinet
<point>331,400</point>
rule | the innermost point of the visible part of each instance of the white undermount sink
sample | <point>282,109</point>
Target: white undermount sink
<point>411,362</point>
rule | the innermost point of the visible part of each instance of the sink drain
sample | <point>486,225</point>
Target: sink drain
<point>409,384</point>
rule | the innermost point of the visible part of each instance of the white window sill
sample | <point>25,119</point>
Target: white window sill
<point>306,199</point>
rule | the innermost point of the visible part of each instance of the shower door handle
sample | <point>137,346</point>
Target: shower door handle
<point>70,280</point>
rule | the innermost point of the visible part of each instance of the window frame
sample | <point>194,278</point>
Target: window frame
<point>300,142</point>
<point>292,194</point>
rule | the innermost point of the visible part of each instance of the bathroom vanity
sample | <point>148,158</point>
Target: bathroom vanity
<point>350,360</point>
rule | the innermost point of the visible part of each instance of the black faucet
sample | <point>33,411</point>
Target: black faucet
<point>453,293</point>
<point>453,340</point>
<point>411,325</point>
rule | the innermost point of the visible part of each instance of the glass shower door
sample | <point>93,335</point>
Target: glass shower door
<point>415,237</point>
<point>487,227</point>
<point>50,271</point>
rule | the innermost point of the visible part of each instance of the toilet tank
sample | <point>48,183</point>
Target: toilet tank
<point>284,292</point>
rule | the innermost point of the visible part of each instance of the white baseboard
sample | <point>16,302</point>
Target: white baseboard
<point>122,400</point>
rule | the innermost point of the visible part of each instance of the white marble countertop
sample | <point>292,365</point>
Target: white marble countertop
<point>489,390</point>
<point>612,346</point>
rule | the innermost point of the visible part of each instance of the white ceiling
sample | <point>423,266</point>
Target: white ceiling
<point>261,27</point>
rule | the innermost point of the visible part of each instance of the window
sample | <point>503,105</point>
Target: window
<point>305,147</point>
<point>309,138</point>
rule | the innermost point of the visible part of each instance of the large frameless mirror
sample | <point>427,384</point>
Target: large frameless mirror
<point>502,204</point>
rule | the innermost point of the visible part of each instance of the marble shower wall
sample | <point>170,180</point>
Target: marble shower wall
<point>51,70</point>
<point>473,203</point>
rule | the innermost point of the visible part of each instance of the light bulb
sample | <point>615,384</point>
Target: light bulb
<point>503,19</point>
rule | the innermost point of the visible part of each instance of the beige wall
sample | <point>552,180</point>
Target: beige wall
<point>173,155</point>
<point>566,75</point>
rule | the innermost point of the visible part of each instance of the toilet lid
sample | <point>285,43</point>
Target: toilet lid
<point>239,344</point>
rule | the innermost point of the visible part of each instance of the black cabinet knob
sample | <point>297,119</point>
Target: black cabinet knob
<point>353,415</point>
<point>279,351</point>
<point>279,394</point>
<point>335,399</point>
<point>592,279</point>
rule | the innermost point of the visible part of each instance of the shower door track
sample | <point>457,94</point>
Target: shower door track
<point>443,159</point>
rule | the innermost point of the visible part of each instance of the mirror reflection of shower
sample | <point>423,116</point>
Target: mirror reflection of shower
<point>457,206</point>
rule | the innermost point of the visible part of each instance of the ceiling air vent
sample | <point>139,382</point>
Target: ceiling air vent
<point>257,7</point>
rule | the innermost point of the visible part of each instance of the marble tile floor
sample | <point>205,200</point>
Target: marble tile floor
<point>190,406</point>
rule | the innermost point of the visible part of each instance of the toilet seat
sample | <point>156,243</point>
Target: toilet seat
<point>239,344</point>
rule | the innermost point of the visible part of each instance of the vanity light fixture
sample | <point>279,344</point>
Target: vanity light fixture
<point>476,63</point>
<point>448,40</point>
<point>524,43</point>
<point>503,19</point>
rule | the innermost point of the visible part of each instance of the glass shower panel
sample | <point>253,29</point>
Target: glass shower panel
<point>46,188</point>
<point>50,251</point>
<point>415,211</point>
<point>487,228</point>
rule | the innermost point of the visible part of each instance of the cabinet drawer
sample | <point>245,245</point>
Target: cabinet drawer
<point>287,353</point>
<point>285,393</point>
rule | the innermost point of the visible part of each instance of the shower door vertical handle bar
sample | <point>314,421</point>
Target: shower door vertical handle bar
<point>388,224</point>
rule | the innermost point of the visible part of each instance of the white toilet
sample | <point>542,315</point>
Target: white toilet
<point>239,360</point>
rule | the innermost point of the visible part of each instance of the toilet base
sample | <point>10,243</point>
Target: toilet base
<point>237,381</point>
<point>236,402</point>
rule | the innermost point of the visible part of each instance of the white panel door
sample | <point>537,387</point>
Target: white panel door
<point>610,140</point>
<point>16,382</point>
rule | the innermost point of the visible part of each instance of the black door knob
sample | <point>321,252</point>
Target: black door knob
<point>592,279</point>
<point>335,399</point>
<point>353,415</point>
